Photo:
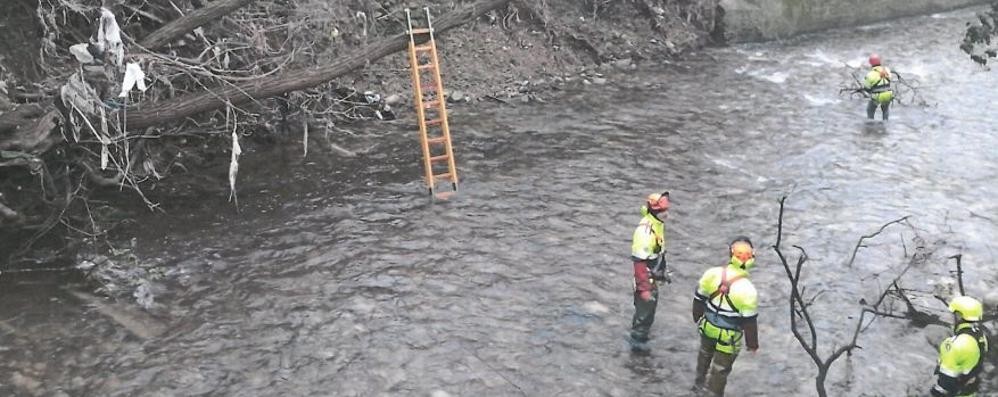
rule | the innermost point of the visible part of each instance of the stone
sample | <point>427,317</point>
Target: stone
<point>599,81</point>
<point>935,334</point>
<point>991,302</point>
<point>457,96</point>
<point>622,63</point>
<point>25,382</point>
<point>393,99</point>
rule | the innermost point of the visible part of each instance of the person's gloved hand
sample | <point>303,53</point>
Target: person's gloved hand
<point>666,277</point>
<point>645,296</point>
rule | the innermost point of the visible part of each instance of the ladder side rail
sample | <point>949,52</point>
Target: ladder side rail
<point>420,113</point>
<point>444,122</point>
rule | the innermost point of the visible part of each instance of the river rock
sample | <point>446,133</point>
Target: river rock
<point>457,96</point>
<point>934,334</point>
<point>991,301</point>
<point>595,307</point>
<point>393,99</point>
<point>27,383</point>
<point>622,63</point>
<point>599,81</point>
<point>440,393</point>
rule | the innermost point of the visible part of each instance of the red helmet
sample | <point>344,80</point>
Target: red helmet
<point>874,60</point>
<point>658,202</point>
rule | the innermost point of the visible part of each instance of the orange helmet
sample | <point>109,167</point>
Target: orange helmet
<point>742,253</point>
<point>874,60</point>
<point>658,202</point>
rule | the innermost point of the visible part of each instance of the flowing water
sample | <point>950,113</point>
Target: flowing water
<point>339,277</point>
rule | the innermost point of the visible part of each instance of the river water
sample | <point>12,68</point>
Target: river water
<point>339,277</point>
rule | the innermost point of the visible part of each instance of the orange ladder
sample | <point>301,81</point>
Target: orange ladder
<point>431,107</point>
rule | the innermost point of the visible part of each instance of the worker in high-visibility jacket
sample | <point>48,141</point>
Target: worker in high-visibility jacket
<point>961,356</point>
<point>648,257</point>
<point>877,85</point>
<point>725,307</point>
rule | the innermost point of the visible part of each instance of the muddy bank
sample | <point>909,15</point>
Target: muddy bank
<point>506,56</point>
<point>753,20</point>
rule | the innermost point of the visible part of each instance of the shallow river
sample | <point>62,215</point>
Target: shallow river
<point>339,277</point>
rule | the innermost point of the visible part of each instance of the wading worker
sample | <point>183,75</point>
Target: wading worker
<point>648,256</point>
<point>878,85</point>
<point>725,307</point>
<point>961,356</point>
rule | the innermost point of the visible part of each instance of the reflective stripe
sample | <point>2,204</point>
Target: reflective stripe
<point>727,340</point>
<point>951,374</point>
<point>722,321</point>
<point>881,88</point>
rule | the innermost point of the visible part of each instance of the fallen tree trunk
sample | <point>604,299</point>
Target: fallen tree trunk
<point>189,22</point>
<point>22,130</point>
<point>179,108</point>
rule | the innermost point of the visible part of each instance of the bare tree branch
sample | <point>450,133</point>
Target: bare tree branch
<point>189,22</point>
<point>959,272</point>
<point>799,307</point>
<point>859,243</point>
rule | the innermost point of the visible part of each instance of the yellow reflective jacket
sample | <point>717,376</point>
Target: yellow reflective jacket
<point>741,300</point>
<point>648,241</point>
<point>730,306</point>
<point>878,84</point>
<point>960,354</point>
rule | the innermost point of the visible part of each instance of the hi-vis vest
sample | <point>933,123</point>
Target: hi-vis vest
<point>729,298</point>
<point>878,84</point>
<point>961,355</point>
<point>648,241</point>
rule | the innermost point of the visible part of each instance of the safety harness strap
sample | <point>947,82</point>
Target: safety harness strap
<point>723,290</point>
<point>881,87</point>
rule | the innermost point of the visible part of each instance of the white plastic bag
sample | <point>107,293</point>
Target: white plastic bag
<point>133,75</point>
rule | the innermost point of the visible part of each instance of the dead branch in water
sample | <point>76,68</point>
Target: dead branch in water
<point>800,315</point>
<point>859,243</point>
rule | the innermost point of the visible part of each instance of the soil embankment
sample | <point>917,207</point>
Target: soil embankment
<point>508,54</point>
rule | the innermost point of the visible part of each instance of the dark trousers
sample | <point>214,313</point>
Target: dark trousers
<point>871,109</point>
<point>644,315</point>
<point>717,362</point>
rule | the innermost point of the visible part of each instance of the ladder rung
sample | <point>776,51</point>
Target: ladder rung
<point>431,104</point>
<point>437,140</point>
<point>420,31</point>
<point>423,47</point>
<point>434,122</point>
<point>439,158</point>
<point>425,66</point>
<point>442,176</point>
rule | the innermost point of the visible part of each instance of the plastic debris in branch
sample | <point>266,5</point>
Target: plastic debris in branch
<point>133,76</point>
<point>107,42</point>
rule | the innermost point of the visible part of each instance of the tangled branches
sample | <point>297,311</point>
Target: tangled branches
<point>906,92</point>
<point>802,323</point>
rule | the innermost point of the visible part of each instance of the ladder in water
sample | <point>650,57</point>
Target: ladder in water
<point>431,107</point>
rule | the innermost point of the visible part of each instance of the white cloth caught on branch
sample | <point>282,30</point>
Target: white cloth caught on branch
<point>133,75</point>
<point>234,166</point>
<point>108,40</point>
<point>81,53</point>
